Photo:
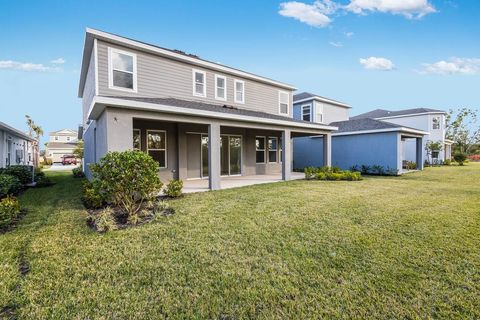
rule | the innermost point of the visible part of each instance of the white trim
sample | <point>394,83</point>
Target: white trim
<point>194,87</point>
<point>95,60</point>
<point>99,103</point>
<point>140,134</point>
<point>319,107</point>
<point>280,92</point>
<point>184,58</point>
<point>217,76</point>
<point>309,105</point>
<point>264,149</point>
<point>400,129</point>
<point>235,98</point>
<point>166,145</point>
<point>110,70</point>
<point>411,115</point>
<point>269,150</point>
<point>326,100</point>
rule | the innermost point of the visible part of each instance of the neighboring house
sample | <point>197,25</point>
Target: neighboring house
<point>429,120</point>
<point>198,119</point>
<point>16,147</point>
<point>61,143</point>
<point>366,142</point>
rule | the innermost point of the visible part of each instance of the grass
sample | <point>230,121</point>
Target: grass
<point>384,247</point>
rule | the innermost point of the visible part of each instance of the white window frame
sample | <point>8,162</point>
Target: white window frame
<point>269,150</point>
<point>235,81</point>
<point>265,147</point>
<point>318,112</point>
<point>439,123</point>
<point>140,141</point>
<point>280,92</point>
<point>194,87</point>
<point>309,105</point>
<point>224,87</point>
<point>110,70</point>
<point>166,146</point>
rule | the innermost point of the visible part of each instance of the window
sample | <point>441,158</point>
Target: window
<point>56,138</point>
<point>272,149</point>
<point>157,146</point>
<point>199,85</point>
<point>260,149</point>
<point>137,142</point>
<point>220,88</point>
<point>68,138</point>
<point>307,112</point>
<point>122,70</point>
<point>319,111</point>
<point>283,102</point>
<point>239,91</point>
<point>280,148</point>
<point>436,123</point>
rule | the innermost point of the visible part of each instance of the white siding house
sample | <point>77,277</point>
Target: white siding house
<point>16,147</point>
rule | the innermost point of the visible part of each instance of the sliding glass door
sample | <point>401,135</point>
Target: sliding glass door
<point>230,155</point>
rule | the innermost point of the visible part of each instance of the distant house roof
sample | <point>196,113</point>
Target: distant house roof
<point>16,132</point>
<point>61,145</point>
<point>92,34</point>
<point>309,96</point>
<point>365,125</point>
<point>381,113</point>
<point>64,132</point>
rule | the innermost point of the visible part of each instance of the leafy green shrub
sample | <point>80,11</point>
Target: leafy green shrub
<point>127,179</point>
<point>9,210</point>
<point>320,176</point>
<point>447,162</point>
<point>78,172</point>
<point>460,158</point>
<point>9,185</point>
<point>331,173</point>
<point>174,188</point>
<point>92,197</point>
<point>364,169</point>
<point>23,173</point>
<point>104,221</point>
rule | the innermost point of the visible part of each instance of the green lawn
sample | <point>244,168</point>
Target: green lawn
<point>406,247</point>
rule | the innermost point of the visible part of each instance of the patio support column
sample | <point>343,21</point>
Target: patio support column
<point>419,155</point>
<point>214,156</point>
<point>182,152</point>
<point>286,155</point>
<point>327,149</point>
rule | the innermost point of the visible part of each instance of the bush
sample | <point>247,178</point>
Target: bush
<point>331,173</point>
<point>460,158</point>
<point>9,185</point>
<point>23,173</point>
<point>409,165</point>
<point>447,162</point>
<point>474,157</point>
<point>9,210</point>
<point>127,179</point>
<point>78,172</point>
<point>174,188</point>
<point>92,197</point>
<point>104,221</point>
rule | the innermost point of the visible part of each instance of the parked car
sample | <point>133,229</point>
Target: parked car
<point>69,159</point>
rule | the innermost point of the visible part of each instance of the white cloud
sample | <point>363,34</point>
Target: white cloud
<point>58,61</point>
<point>348,34</point>
<point>315,14</point>
<point>409,8</point>
<point>336,44</point>
<point>377,63</point>
<point>453,66</point>
<point>25,66</point>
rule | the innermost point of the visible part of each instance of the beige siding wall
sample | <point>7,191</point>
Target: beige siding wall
<point>162,77</point>
<point>89,90</point>
<point>331,112</point>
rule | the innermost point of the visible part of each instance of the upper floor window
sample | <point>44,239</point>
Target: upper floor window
<point>283,102</point>
<point>307,112</point>
<point>68,138</point>
<point>436,123</point>
<point>199,83</point>
<point>220,88</point>
<point>319,112</point>
<point>56,138</point>
<point>122,70</point>
<point>239,91</point>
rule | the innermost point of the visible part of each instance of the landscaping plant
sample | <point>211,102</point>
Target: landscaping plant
<point>23,173</point>
<point>174,188</point>
<point>78,172</point>
<point>460,158</point>
<point>331,173</point>
<point>9,210</point>
<point>9,185</point>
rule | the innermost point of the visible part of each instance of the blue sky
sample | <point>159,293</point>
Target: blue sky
<point>425,55</point>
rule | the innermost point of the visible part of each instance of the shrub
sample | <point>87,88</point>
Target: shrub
<point>460,158</point>
<point>104,221</point>
<point>174,188</point>
<point>474,157</point>
<point>409,165</point>
<point>9,185</point>
<point>127,179</point>
<point>447,162</point>
<point>365,169</point>
<point>23,173</point>
<point>9,210</point>
<point>331,173</point>
<point>78,172</point>
<point>92,197</point>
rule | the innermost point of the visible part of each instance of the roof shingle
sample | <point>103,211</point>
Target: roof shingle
<point>382,113</point>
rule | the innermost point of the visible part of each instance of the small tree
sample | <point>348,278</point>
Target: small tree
<point>78,151</point>
<point>460,158</point>
<point>127,179</point>
<point>463,128</point>
<point>35,131</point>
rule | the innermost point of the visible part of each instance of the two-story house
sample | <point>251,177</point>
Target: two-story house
<point>198,119</point>
<point>429,120</point>
<point>16,147</point>
<point>60,143</point>
<point>358,141</point>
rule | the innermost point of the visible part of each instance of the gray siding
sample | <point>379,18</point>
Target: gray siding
<point>331,112</point>
<point>89,90</point>
<point>162,77</point>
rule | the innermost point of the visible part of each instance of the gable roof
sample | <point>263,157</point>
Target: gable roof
<point>305,96</point>
<point>16,132</point>
<point>372,126</point>
<point>382,113</point>
<point>64,132</point>
<point>61,145</point>
<point>91,34</point>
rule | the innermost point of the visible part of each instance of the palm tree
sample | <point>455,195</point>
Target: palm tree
<point>37,130</point>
